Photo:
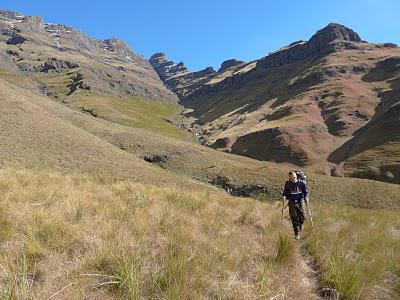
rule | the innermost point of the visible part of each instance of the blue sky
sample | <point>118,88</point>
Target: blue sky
<point>205,33</point>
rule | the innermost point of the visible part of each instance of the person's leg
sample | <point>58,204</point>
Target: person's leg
<point>301,216</point>
<point>294,217</point>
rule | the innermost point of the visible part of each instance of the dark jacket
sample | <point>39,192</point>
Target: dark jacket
<point>295,191</point>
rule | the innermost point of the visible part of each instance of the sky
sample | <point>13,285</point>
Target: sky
<point>207,32</point>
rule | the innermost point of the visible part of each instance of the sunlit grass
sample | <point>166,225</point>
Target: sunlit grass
<point>358,249</point>
<point>132,111</point>
<point>82,236</point>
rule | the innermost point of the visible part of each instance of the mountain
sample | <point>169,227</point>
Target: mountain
<point>105,194</point>
<point>47,122</point>
<point>328,104</point>
<point>110,66</point>
<point>102,78</point>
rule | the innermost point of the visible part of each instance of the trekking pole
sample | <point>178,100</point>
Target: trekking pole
<point>283,208</point>
<point>309,213</point>
<point>315,198</point>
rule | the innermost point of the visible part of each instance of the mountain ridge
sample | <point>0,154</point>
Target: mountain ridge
<point>250,108</point>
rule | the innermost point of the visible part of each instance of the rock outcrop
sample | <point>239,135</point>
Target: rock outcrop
<point>120,48</point>
<point>177,77</point>
<point>11,15</point>
<point>16,40</point>
<point>167,69</point>
<point>56,65</point>
<point>74,36</point>
<point>229,64</point>
<point>33,23</point>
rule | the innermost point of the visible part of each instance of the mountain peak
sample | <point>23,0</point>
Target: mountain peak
<point>332,37</point>
<point>335,31</point>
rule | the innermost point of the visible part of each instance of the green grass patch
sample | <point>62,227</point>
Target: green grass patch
<point>154,115</point>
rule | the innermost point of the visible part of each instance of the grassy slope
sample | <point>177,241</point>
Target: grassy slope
<point>133,112</point>
<point>98,238</point>
<point>94,237</point>
<point>154,115</point>
<point>375,154</point>
<point>34,136</point>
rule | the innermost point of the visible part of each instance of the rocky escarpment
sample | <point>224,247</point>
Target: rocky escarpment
<point>333,37</point>
<point>111,67</point>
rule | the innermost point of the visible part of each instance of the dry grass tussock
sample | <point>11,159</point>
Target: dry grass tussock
<point>75,237</point>
<point>358,251</point>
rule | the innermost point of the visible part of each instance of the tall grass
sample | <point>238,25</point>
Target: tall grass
<point>358,251</point>
<point>285,248</point>
<point>18,277</point>
<point>81,237</point>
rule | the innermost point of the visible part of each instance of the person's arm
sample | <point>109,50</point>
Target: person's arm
<point>285,193</point>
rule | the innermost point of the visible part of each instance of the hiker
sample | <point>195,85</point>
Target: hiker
<point>295,192</point>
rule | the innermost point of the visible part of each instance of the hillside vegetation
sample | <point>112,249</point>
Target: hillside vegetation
<point>82,237</point>
<point>75,237</point>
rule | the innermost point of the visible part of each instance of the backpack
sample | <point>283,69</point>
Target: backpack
<point>301,176</point>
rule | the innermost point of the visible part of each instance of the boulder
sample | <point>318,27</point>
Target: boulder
<point>16,40</point>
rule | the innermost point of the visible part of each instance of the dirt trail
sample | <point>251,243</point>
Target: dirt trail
<point>312,283</point>
<point>313,274</point>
